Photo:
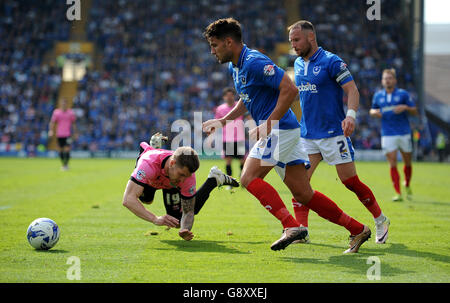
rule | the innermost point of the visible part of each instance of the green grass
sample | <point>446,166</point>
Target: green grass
<point>112,246</point>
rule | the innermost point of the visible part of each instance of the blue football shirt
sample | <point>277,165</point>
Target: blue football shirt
<point>393,124</point>
<point>257,79</point>
<point>319,82</point>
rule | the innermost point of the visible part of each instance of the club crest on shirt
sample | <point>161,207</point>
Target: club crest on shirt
<point>140,175</point>
<point>316,70</point>
<point>269,70</point>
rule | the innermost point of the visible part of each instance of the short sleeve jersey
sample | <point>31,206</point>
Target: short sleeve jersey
<point>233,130</point>
<point>319,82</point>
<point>150,171</point>
<point>63,120</point>
<point>257,80</point>
<point>393,124</point>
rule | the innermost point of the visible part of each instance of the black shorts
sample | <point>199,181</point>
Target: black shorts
<point>171,198</point>
<point>66,141</point>
<point>235,150</point>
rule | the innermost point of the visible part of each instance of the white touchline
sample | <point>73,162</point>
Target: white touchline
<point>5,207</point>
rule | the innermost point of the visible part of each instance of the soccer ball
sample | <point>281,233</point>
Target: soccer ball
<point>43,233</point>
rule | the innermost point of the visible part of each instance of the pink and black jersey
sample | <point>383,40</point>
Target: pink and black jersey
<point>63,120</point>
<point>150,171</point>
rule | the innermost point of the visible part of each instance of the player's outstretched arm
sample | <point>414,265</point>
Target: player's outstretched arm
<point>131,201</point>
<point>187,219</point>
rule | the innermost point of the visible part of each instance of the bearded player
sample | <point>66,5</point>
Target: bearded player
<point>322,78</point>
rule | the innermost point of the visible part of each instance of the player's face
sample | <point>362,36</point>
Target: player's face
<point>221,49</point>
<point>229,98</point>
<point>64,104</point>
<point>177,174</point>
<point>388,81</point>
<point>299,42</point>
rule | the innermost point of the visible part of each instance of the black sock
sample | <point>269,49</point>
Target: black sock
<point>203,193</point>
<point>67,158</point>
<point>228,169</point>
<point>61,156</point>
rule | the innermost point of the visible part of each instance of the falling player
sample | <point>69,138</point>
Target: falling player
<point>174,173</point>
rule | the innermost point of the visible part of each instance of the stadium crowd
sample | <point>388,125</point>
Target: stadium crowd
<point>28,86</point>
<point>156,66</point>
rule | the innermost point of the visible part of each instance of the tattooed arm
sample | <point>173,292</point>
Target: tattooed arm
<point>187,220</point>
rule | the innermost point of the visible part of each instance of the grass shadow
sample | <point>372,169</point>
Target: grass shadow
<point>393,248</point>
<point>402,249</point>
<point>53,251</point>
<point>352,264</point>
<point>420,202</point>
<point>357,263</point>
<point>201,246</point>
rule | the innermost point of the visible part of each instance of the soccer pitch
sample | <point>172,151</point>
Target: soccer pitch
<point>233,232</point>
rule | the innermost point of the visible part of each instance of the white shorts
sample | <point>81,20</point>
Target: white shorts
<point>282,147</point>
<point>334,150</point>
<point>392,143</point>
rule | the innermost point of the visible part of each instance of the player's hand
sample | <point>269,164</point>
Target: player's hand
<point>186,234</point>
<point>348,126</point>
<point>259,132</point>
<point>50,133</point>
<point>167,220</point>
<point>210,126</point>
<point>400,108</point>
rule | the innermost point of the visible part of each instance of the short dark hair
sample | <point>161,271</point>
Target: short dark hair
<point>302,25</point>
<point>222,28</point>
<point>227,90</point>
<point>186,156</point>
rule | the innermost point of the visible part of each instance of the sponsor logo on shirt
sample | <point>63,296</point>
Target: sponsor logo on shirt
<point>269,70</point>
<point>140,175</point>
<point>387,108</point>
<point>308,87</point>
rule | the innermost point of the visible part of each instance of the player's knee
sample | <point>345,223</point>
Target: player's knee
<point>303,196</point>
<point>246,180</point>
